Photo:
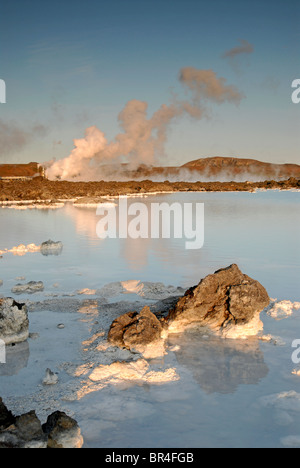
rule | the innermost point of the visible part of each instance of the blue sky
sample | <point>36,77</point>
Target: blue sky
<point>69,65</point>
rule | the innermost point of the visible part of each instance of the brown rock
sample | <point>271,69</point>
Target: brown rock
<point>116,331</point>
<point>227,297</point>
<point>26,431</point>
<point>29,426</point>
<point>132,329</point>
<point>62,431</point>
<point>6,416</point>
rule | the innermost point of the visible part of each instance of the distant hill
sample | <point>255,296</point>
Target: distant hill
<point>242,168</point>
<point>207,169</point>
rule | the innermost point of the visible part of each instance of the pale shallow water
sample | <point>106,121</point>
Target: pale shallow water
<point>229,392</point>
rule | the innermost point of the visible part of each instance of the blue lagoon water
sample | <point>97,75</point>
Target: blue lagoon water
<point>230,393</point>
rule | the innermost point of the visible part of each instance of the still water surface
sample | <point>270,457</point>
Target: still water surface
<point>230,393</point>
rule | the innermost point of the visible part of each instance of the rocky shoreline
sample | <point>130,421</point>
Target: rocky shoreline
<point>122,348</point>
<point>26,430</point>
<point>40,189</point>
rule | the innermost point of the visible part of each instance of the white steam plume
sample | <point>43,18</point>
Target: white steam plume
<point>143,138</point>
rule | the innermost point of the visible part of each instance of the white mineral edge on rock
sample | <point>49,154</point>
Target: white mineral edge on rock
<point>132,371</point>
<point>133,286</point>
<point>94,204</point>
<point>252,328</point>
<point>283,309</point>
<point>69,439</point>
<point>22,249</point>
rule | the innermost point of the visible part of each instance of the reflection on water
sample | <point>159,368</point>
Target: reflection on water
<point>16,359</point>
<point>217,364</point>
<point>258,231</point>
<point>137,252</point>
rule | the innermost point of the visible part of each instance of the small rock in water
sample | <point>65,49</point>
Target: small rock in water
<point>34,336</point>
<point>50,378</point>
<point>29,288</point>
<point>60,325</point>
<point>51,248</point>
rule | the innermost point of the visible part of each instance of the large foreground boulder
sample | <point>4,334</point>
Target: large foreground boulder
<point>14,323</point>
<point>223,301</point>
<point>227,302</point>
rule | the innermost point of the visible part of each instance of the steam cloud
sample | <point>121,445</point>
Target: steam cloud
<point>142,140</point>
<point>14,138</point>
<point>244,48</point>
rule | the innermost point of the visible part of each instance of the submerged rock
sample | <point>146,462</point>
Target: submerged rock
<point>29,288</point>
<point>51,248</point>
<point>226,301</point>
<point>14,323</point>
<point>26,431</point>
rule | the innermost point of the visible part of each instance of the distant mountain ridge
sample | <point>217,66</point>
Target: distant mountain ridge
<point>211,169</point>
<point>217,169</point>
<point>215,166</point>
